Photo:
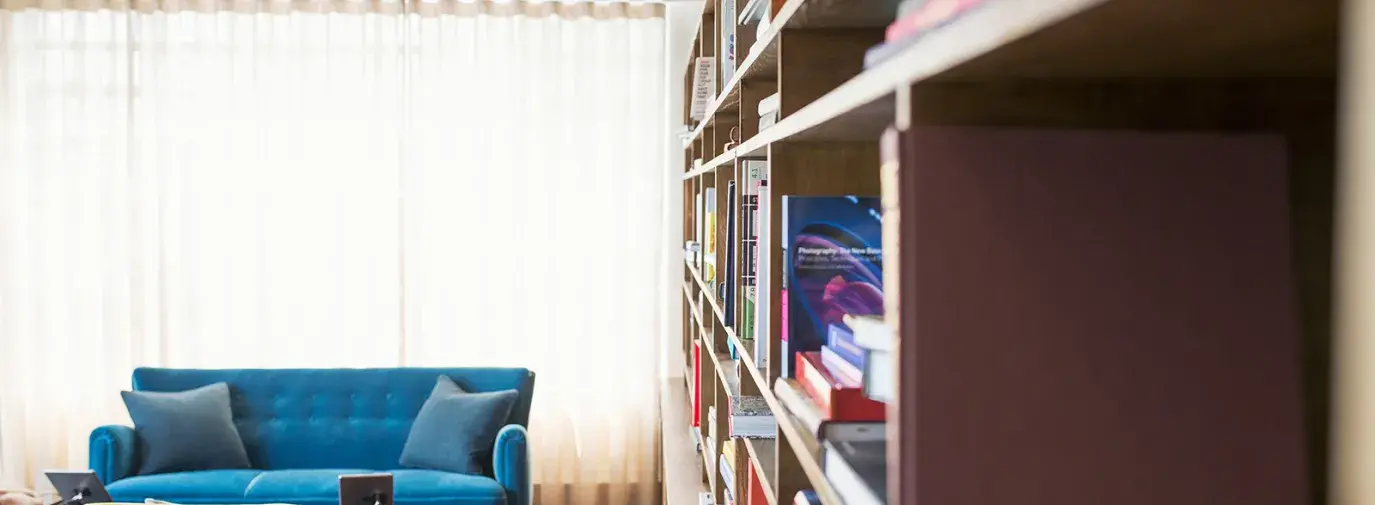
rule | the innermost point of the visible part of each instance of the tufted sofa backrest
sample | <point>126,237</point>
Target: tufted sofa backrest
<point>333,418</point>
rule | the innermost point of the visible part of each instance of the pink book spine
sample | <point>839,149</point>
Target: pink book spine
<point>783,319</point>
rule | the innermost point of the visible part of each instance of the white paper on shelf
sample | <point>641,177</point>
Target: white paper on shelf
<point>703,86</point>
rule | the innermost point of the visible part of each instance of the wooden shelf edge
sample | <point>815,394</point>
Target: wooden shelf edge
<point>707,455</point>
<point>711,299</point>
<point>726,373</point>
<point>783,19</point>
<point>712,165</point>
<point>808,456</point>
<point>692,306</point>
<point>765,478</point>
<point>977,33</point>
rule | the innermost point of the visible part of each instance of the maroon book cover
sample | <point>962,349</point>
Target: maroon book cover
<point>1097,317</point>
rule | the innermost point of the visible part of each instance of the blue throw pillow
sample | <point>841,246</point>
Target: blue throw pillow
<point>455,429</point>
<point>186,430</point>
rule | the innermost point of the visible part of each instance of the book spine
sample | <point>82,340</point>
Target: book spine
<point>783,331</point>
<point>703,86</point>
<point>845,373</point>
<point>932,15</point>
<point>696,384</point>
<point>880,382</point>
<point>838,403</point>
<point>841,340</point>
<point>762,308</point>
<point>799,404</point>
<point>756,494</point>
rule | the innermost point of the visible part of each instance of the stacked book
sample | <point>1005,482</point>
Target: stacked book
<point>833,267</point>
<point>727,469</point>
<point>915,19</point>
<point>750,417</point>
<point>768,111</point>
<point>756,175</point>
<point>849,425</point>
<point>872,343</point>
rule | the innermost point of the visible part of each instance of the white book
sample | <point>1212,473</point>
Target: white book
<point>727,40</point>
<point>703,87</point>
<point>871,332</point>
<point>880,379</point>
<point>761,308</point>
<point>768,105</point>
<point>753,10</point>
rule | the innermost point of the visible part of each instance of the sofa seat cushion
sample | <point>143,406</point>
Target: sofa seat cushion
<point>412,487</point>
<point>303,487</point>
<point>203,486</point>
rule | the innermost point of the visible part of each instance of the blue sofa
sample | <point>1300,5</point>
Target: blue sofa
<point>304,428</point>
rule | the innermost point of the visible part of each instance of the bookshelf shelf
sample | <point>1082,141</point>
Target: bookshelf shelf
<point>1267,66</point>
<point>762,59</point>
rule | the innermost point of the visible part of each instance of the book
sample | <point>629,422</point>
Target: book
<point>845,373</point>
<point>754,176</point>
<point>832,259</point>
<point>756,488</point>
<point>909,6</point>
<point>703,87</point>
<point>696,381</point>
<point>753,11</point>
<point>699,221</point>
<point>768,120</point>
<point>928,16</point>
<point>908,30</point>
<point>836,400</point>
<point>761,258</point>
<point>872,332</point>
<point>880,376</point>
<point>854,431</point>
<point>709,238</point>
<point>802,406</point>
<point>841,339</point>
<point>806,497</point>
<point>769,105</point>
<point>726,291</point>
<point>858,471</point>
<point>727,46</point>
<point>750,417</point>
<point>799,403</point>
<point>711,431</point>
<point>727,474</point>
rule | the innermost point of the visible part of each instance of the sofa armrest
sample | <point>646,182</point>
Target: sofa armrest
<point>112,452</point>
<point>511,465</point>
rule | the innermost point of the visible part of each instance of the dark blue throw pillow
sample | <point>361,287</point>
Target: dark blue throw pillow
<point>455,429</point>
<point>186,430</point>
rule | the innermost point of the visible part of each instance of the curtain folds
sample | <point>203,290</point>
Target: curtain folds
<point>274,183</point>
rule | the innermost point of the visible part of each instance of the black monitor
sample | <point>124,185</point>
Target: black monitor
<point>78,487</point>
<point>365,489</point>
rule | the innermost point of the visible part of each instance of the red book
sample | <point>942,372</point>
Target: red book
<point>929,16</point>
<point>756,490</point>
<point>838,401</point>
<point>696,384</point>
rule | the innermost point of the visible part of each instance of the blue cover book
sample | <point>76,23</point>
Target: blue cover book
<point>833,266</point>
<point>841,340</point>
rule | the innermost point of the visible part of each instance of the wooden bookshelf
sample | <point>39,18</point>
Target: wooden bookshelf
<point>1146,65</point>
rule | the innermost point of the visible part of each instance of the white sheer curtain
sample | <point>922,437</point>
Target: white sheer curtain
<point>262,183</point>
